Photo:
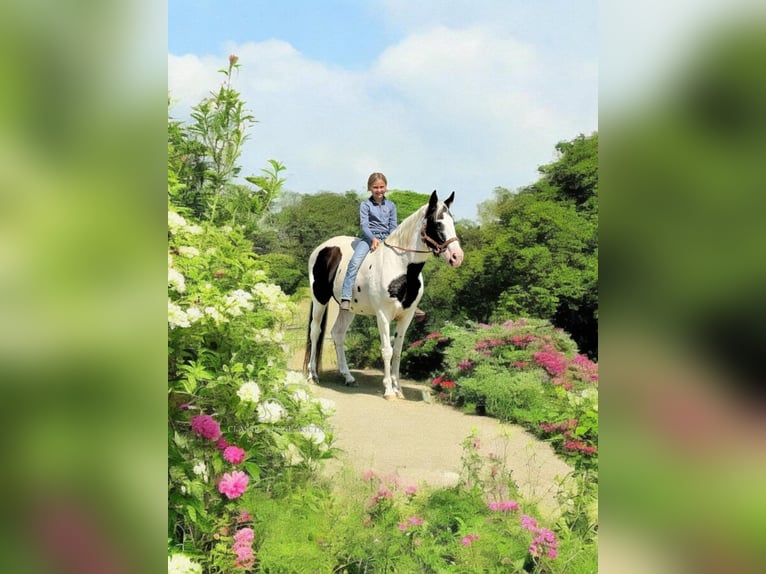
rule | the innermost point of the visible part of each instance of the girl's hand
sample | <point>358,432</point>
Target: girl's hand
<point>374,244</point>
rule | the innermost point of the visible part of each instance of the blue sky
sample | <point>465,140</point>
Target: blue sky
<point>463,95</point>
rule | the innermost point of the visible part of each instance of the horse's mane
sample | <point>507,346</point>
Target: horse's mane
<point>407,228</point>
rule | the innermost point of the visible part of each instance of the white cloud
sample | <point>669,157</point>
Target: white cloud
<point>451,108</point>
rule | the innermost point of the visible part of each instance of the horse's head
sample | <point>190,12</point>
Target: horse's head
<point>438,232</point>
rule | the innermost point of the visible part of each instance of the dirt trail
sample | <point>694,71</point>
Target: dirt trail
<point>421,441</point>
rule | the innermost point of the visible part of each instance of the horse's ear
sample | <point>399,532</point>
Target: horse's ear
<point>448,201</point>
<point>432,203</point>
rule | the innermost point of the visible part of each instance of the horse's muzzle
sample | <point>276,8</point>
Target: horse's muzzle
<point>453,255</point>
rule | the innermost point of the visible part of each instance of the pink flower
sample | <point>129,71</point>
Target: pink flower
<point>468,539</point>
<point>243,548</point>
<point>434,335</point>
<point>551,360</point>
<point>410,490</point>
<point>369,474</point>
<point>206,427</point>
<point>221,444</point>
<point>234,454</point>
<point>415,521</point>
<point>402,526</point>
<point>244,535</point>
<point>233,484</point>
<point>465,365</point>
<point>528,522</point>
<point>503,505</point>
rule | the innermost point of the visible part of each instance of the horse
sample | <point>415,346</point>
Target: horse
<point>389,285</point>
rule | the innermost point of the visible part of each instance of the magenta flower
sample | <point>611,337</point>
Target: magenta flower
<point>206,427</point>
<point>221,444</point>
<point>468,539</point>
<point>233,484</point>
<point>243,548</point>
<point>410,490</point>
<point>528,522</point>
<point>551,360</point>
<point>234,454</point>
<point>503,505</point>
<point>415,521</point>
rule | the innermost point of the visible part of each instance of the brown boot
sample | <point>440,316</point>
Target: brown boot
<point>345,305</point>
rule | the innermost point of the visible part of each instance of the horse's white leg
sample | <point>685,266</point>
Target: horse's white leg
<point>339,337</point>
<point>401,330</point>
<point>384,326</point>
<point>317,311</point>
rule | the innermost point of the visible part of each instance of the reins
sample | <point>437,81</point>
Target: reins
<point>436,249</point>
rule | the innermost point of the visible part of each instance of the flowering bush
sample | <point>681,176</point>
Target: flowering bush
<point>236,418</point>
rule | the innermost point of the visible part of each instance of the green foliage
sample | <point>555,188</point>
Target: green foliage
<point>535,254</point>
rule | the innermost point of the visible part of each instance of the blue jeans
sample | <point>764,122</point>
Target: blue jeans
<point>360,252</point>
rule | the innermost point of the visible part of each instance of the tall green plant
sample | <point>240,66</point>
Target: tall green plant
<point>220,124</point>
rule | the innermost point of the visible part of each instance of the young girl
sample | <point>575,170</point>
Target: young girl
<point>377,216</point>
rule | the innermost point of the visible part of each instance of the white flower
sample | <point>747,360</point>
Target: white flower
<point>292,455</point>
<point>200,469</point>
<point>194,314</point>
<point>175,222</point>
<point>327,406</point>
<point>193,229</point>
<point>210,251</point>
<point>301,395</point>
<point>214,314</point>
<point>176,316</point>
<point>270,412</point>
<point>249,391</point>
<point>188,251</point>
<point>314,434</point>
<point>294,378</point>
<point>238,300</point>
<point>182,564</point>
<point>176,280</point>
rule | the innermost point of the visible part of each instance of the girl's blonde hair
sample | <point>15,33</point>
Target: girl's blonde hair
<point>375,177</point>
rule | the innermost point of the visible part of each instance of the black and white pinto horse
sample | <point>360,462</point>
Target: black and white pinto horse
<point>389,286</point>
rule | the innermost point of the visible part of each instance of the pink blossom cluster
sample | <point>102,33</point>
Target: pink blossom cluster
<point>521,341</point>
<point>566,426</point>
<point>465,365</point>
<point>510,323</point>
<point>545,540</point>
<point>243,547</point>
<point>206,427</point>
<point>520,364</point>
<point>411,521</point>
<point>503,505</point>
<point>587,369</point>
<point>416,344</point>
<point>234,454</point>
<point>579,446</point>
<point>384,493</point>
<point>411,490</point>
<point>551,360</point>
<point>222,444</point>
<point>469,539</point>
<point>233,484</point>
<point>434,335</point>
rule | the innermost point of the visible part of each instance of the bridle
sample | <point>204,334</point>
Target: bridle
<point>435,248</point>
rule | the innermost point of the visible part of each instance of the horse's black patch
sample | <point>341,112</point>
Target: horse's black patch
<point>406,287</point>
<point>325,268</point>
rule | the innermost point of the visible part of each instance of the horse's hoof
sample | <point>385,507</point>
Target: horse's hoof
<point>351,383</point>
<point>399,395</point>
<point>389,397</point>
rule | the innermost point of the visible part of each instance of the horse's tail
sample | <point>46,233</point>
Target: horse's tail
<point>320,341</point>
